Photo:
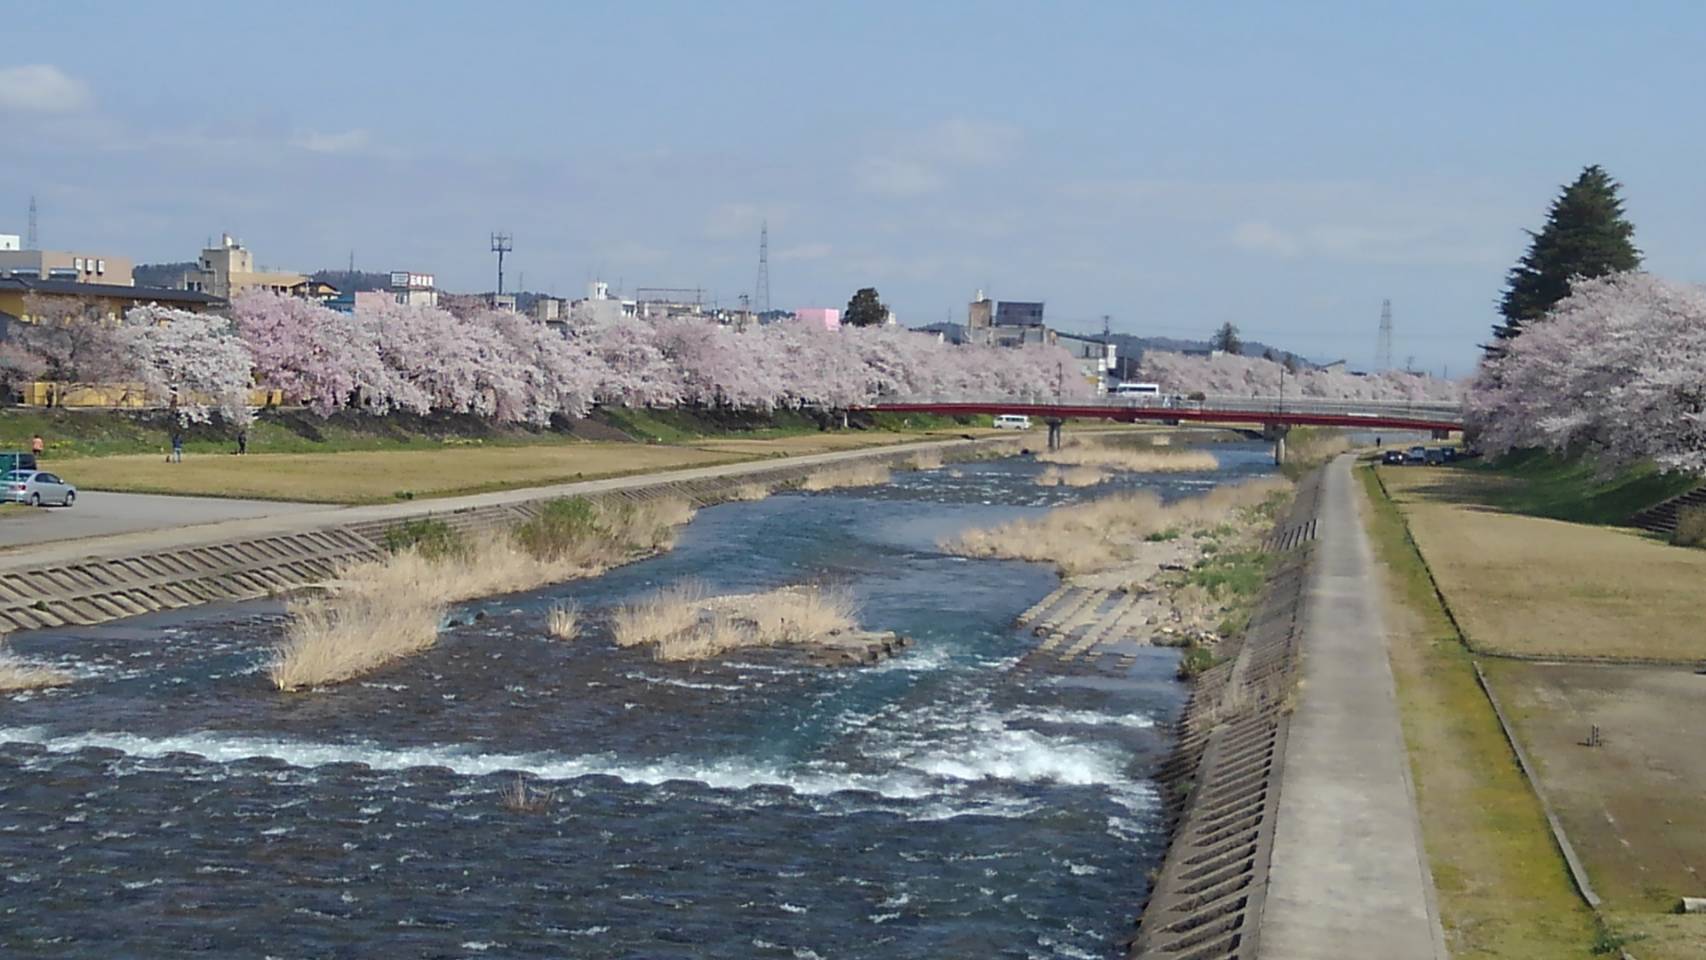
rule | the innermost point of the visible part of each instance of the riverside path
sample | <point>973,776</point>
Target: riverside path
<point>1348,876</point>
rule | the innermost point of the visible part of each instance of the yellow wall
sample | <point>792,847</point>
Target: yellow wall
<point>121,395</point>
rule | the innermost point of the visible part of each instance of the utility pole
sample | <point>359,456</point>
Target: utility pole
<point>31,240</point>
<point>501,245</point>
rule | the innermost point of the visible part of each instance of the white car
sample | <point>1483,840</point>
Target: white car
<point>1012,421</point>
<point>37,488</point>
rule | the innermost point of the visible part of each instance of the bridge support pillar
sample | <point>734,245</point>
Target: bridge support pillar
<point>1054,425</point>
<point>1275,433</point>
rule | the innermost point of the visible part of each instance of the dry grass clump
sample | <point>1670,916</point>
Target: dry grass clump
<point>925,460</point>
<point>522,798</point>
<point>378,611</point>
<point>665,613</point>
<point>866,474</point>
<point>1131,458</point>
<point>16,673</point>
<point>682,624</point>
<point>748,491</point>
<point>1082,537</point>
<point>564,620</point>
<point>1071,477</point>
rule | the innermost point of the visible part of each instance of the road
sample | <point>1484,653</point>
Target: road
<point>99,514</point>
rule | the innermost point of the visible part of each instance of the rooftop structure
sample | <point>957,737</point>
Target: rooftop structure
<point>69,265</point>
<point>229,269</point>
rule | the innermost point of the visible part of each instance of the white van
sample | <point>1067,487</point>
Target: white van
<point>1012,421</point>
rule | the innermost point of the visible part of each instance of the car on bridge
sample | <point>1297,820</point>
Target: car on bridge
<point>37,488</point>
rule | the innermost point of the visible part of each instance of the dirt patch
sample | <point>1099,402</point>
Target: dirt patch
<point>1634,806</point>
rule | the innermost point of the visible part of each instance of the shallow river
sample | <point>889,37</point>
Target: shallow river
<point>935,806</point>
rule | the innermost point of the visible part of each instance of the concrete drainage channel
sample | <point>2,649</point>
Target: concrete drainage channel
<point>97,589</point>
<point>1222,783</point>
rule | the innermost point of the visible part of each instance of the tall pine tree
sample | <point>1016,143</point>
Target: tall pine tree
<point>1585,235</point>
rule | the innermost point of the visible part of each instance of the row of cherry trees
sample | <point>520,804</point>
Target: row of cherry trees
<point>1228,374</point>
<point>505,366</point>
<point>1617,368</point>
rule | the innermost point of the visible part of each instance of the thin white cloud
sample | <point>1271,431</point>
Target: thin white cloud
<point>923,161</point>
<point>349,141</point>
<point>1261,237</point>
<point>805,251</point>
<point>41,88</point>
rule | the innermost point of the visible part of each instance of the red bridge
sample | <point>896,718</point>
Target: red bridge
<point>1265,412</point>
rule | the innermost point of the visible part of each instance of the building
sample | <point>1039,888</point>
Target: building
<point>414,289</point>
<point>18,295</point>
<point>1018,313</point>
<point>1097,359</point>
<point>599,307</point>
<point>828,318</point>
<point>548,310</point>
<point>229,269</point>
<point>10,241</point>
<point>504,302</point>
<point>68,265</point>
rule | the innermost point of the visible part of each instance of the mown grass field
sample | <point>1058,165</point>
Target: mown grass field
<point>1534,586</point>
<point>1502,886</point>
<point>369,476</point>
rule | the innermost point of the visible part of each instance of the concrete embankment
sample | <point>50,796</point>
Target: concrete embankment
<point>108,578</point>
<point>1294,829</point>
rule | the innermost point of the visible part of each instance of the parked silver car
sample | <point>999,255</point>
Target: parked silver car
<point>37,487</point>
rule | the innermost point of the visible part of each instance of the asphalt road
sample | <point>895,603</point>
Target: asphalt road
<point>99,514</point>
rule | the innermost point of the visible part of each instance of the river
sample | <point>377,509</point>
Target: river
<point>938,805</point>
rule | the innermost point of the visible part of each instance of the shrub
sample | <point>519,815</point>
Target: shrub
<point>1196,661</point>
<point>1690,527</point>
<point>433,539</point>
<point>562,527</point>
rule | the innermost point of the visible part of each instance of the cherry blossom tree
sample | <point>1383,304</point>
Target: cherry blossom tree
<point>1228,374</point>
<point>195,362</point>
<point>1617,370</point>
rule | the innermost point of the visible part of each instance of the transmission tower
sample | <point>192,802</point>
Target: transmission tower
<point>31,240</point>
<point>1383,350</point>
<point>501,245</point>
<point>761,289</point>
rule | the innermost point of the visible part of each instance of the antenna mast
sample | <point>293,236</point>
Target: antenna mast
<point>761,289</point>
<point>1383,349</point>
<point>31,240</point>
<point>501,245</point>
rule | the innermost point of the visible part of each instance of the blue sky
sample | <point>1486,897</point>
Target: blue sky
<point>1282,166</point>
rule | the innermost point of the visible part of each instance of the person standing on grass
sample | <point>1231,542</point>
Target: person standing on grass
<point>37,445</point>
<point>177,447</point>
<point>243,440</point>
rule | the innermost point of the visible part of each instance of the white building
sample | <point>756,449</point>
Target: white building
<point>600,307</point>
<point>414,289</point>
<point>10,241</point>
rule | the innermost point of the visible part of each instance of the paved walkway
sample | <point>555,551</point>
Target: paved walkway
<point>100,513</point>
<point>1349,877</point>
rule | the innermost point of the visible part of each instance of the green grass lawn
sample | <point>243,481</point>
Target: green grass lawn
<point>1571,488</point>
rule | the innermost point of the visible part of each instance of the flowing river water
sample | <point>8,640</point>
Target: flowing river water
<point>937,805</point>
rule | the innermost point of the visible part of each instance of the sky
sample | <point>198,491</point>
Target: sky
<point>1173,166</point>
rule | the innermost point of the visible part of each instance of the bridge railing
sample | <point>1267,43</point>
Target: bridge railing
<point>1230,404</point>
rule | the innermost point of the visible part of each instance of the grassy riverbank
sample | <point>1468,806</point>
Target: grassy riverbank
<point>1503,890</point>
<point>1526,585</point>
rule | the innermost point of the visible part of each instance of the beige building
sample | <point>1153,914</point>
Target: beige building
<point>69,266</point>
<point>229,269</point>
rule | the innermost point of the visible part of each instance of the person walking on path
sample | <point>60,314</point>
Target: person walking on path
<point>177,447</point>
<point>37,445</point>
<point>243,441</point>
